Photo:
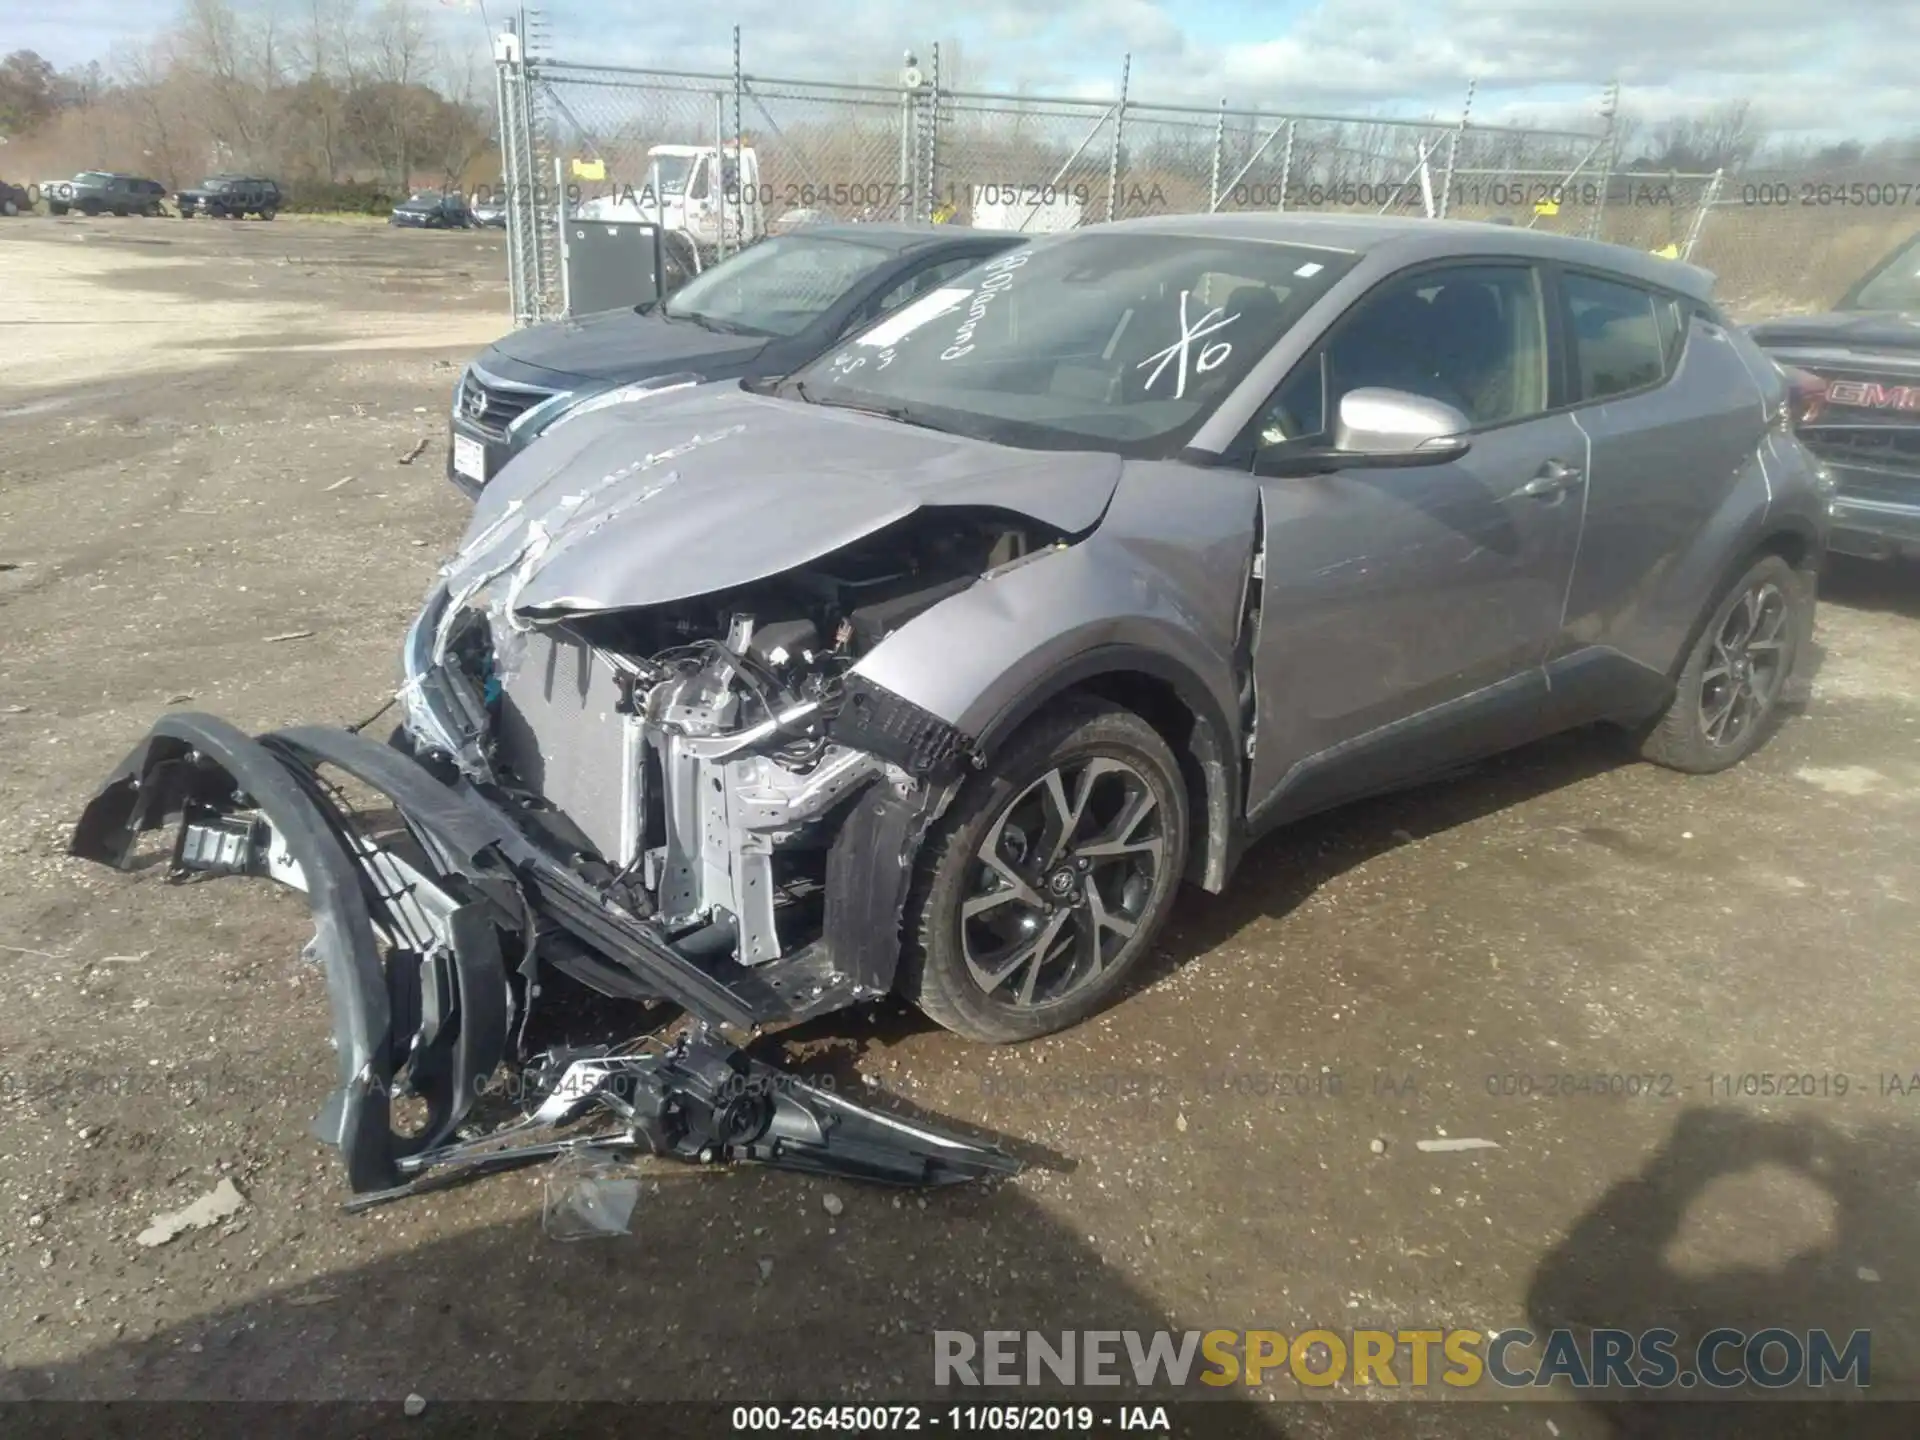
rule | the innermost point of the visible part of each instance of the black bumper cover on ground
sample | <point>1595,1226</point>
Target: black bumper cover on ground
<point>503,882</point>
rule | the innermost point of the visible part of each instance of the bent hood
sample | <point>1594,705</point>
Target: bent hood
<point>619,345</point>
<point>699,491</point>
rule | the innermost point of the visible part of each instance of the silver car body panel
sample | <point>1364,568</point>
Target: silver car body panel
<point>626,509</point>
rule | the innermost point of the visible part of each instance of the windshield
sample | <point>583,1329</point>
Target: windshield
<point>673,171</point>
<point>92,177</point>
<point>1109,341</point>
<point>216,186</point>
<point>422,202</point>
<point>777,287</point>
<point>1894,286</point>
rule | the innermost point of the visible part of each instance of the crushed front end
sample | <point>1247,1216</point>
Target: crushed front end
<point>697,803</point>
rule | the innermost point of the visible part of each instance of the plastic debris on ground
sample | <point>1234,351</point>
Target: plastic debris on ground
<point>588,1198</point>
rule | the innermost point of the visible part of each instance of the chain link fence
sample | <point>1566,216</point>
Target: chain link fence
<point>601,141</point>
<point>1783,242</point>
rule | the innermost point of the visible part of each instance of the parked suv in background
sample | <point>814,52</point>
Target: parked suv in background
<point>433,212</point>
<point>230,197</point>
<point>99,192</point>
<point>1856,375</point>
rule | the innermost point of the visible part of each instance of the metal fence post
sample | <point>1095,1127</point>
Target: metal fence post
<point>907,190</point>
<point>930,150</point>
<point>505,51</point>
<point>1219,144</point>
<point>1707,202</point>
<point>534,149</point>
<point>1286,167</point>
<point>1453,148</point>
<point>739,150</point>
<point>1119,133</point>
<point>1609,157</point>
<point>718,182</point>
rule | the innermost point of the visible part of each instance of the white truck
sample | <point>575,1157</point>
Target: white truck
<point>707,194</point>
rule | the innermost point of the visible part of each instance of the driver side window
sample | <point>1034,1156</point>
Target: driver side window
<point>1473,337</point>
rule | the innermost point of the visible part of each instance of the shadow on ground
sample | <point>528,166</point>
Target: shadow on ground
<point>1278,874</point>
<point>1750,1222</point>
<point>733,1285</point>
<point>1891,587</point>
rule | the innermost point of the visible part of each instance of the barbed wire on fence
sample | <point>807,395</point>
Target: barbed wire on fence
<point>917,151</point>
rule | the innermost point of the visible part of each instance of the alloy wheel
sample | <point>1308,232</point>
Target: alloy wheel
<point>1063,879</point>
<point>1744,670</point>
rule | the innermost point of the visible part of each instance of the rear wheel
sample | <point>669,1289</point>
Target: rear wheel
<point>268,213</point>
<point>1048,880</point>
<point>1729,691</point>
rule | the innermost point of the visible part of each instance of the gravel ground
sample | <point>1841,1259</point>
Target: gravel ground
<point>200,439</point>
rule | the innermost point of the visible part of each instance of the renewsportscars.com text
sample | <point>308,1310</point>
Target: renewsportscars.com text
<point>1655,1359</point>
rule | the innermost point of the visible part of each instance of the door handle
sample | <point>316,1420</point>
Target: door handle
<point>1555,478</point>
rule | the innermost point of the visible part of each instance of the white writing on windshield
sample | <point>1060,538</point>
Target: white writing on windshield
<point>1211,357</point>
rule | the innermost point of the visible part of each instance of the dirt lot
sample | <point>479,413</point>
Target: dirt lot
<point>200,432</point>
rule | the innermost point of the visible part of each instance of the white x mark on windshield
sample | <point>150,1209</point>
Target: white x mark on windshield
<point>1210,356</point>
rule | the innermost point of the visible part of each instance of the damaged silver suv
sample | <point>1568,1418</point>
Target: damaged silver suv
<point>936,667</point>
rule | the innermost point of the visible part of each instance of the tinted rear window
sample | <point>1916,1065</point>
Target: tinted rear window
<point>1620,342</point>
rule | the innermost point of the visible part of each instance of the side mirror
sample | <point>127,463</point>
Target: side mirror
<point>1380,429</point>
<point>1376,422</point>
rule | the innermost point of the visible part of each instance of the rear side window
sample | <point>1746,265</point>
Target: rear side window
<point>1624,338</point>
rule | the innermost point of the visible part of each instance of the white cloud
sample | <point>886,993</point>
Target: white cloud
<point>1822,69</point>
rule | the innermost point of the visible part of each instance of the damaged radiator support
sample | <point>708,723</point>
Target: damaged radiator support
<point>410,931</point>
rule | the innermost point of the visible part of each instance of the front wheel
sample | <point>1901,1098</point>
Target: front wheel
<point>268,213</point>
<point>1048,880</point>
<point>1729,690</point>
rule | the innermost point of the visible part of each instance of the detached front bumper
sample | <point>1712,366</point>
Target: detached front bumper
<point>430,941</point>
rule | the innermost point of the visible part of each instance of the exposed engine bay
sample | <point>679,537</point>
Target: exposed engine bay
<point>699,803</point>
<point>697,759</point>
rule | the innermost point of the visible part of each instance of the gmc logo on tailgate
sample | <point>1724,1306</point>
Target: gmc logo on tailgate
<point>1873,397</point>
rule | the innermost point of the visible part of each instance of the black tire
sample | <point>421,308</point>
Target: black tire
<point>9,207</point>
<point>1067,978</point>
<point>1729,692</point>
<point>268,213</point>
<point>56,207</point>
<point>90,208</point>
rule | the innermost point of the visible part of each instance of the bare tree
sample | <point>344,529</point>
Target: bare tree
<point>1724,137</point>
<point>321,52</point>
<point>162,115</point>
<point>399,58</point>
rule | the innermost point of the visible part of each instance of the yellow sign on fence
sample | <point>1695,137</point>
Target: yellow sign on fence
<point>589,170</point>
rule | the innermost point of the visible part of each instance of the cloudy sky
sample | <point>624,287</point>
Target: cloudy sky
<point>1823,69</point>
